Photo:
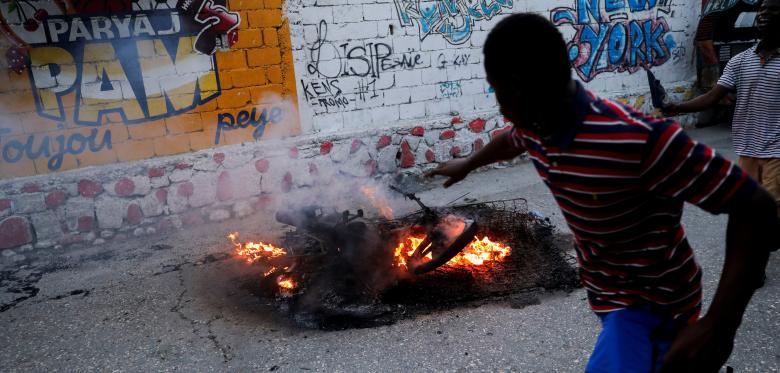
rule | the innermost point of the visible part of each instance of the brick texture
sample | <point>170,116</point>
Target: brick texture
<point>166,124</point>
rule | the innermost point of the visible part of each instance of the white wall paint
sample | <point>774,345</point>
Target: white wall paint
<point>363,64</point>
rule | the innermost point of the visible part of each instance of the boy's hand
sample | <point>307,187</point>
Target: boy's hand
<point>670,110</point>
<point>701,347</point>
<point>456,170</point>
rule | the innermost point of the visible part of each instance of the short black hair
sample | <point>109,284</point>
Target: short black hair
<point>526,49</point>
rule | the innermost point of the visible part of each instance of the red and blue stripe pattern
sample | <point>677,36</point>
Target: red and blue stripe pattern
<point>620,179</point>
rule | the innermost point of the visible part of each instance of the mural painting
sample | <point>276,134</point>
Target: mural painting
<point>616,35</point>
<point>95,82</point>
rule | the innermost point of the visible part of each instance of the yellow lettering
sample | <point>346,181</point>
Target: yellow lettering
<point>104,86</point>
<point>177,80</point>
<point>53,72</point>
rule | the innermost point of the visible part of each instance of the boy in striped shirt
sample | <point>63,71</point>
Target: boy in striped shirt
<point>620,179</point>
<point>755,76</point>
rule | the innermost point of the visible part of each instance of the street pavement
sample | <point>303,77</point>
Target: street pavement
<point>174,303</point>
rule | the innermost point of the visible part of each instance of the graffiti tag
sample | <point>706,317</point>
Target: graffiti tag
<point>365,59</point>
<point>34,148</point>
<point>450,89</point>
<point>607,40</point>
<point>244,119</point>
<point>453,19</point>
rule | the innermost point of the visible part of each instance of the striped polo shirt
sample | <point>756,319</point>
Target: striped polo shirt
<point>756,125</point>
<point>620,179</point>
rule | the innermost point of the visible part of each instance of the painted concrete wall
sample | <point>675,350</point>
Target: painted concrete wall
<point>365,63</point>
<point>382,88</point>
<point>98,82</point>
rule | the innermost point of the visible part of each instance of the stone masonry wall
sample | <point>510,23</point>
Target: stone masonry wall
<point>422,101</point>
<point>96,205</point>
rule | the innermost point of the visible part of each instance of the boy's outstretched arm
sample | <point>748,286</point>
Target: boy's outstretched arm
<point>706,345</point>
<point>701,103</point>
<point>501,148</point>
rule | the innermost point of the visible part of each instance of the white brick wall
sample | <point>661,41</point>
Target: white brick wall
<point>409,85</point>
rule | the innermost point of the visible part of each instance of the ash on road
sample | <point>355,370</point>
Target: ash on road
<point>174,303</point>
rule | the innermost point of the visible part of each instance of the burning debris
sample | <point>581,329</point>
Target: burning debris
<point>338,269</point>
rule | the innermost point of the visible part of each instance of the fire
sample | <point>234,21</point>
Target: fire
<point>406,248</point>
<point>378,201</point>
<point>285,282</point>
<point>254,251</point>
<point>478,252</point>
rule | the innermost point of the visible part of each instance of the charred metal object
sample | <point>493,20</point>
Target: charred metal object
<point>441,247</point>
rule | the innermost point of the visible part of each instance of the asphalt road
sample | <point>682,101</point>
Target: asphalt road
<point>174,303</point>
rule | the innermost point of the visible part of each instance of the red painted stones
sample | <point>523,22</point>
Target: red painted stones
<point>54,199</point>
<point>383,142</point>
<point>14,231</point>
<point>134,214</point>
<point>447,134</point>
<point>499,132</point>
<point>430,156</point>
<point>262,165</point>
<point>31,188</point>
<point>185,189</point>
<point>370,166</point>
<point>124,187</point>
<point>326,147</point>
<point>161,195</point>
<point>478,145</point>
<point>356,144</point>
<point>156,172</point>
<point>85,223</point>
<point>407,157</point>
<point>89,188</point>
<point>477,125</point>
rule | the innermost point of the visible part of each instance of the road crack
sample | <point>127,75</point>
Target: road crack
<point>196,330</point>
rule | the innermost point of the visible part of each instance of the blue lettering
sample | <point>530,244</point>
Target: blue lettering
<point>617,44</point>
<point>636,55</point>
<point>585,8</point>
<point>244,119</point>
<point>614,5</point>
<point>75,144</point>
<point>223,125</point>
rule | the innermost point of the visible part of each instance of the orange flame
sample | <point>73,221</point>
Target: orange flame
<point>285,282</point>
<point>378,201</point>
<point>480,251</point>
<point>255,251</point>
<point>477,253</point>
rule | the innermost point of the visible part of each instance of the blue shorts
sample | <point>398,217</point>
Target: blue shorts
<point>632,340</point>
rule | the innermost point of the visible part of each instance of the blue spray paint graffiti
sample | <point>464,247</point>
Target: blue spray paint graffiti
<point>244,119</point>
<point>14,150</point>
<point>453,19</point>
<point>606,40</point>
